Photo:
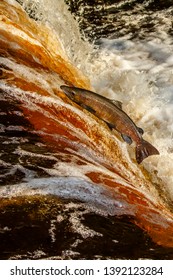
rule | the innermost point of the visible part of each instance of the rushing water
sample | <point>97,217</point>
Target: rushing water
<point>51,147</point>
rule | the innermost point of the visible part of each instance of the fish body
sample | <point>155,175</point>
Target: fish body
<point>111,113</point>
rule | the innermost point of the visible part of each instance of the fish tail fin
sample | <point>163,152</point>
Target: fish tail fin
<point>144,150</point>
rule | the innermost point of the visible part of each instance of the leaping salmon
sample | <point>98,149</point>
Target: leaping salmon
<point>110,111</point>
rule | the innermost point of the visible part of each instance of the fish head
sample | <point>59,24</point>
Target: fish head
<point>75,94</point>
<point>69,91</point>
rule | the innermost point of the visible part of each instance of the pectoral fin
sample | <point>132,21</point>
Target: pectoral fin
<point>126,138</point>
<point>117,103</point>
<point>110,125</point>
<point>88,108</point>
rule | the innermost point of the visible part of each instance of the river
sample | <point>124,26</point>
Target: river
<point>70,187</point>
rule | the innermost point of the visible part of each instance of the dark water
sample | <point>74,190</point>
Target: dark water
<point>38,227</point>
<point>52,228</point>
<point>17,134</point>
<point>136,19</point>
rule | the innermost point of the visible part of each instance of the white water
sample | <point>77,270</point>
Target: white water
<point>139,74</point>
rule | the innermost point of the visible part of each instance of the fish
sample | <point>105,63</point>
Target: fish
<point>111,112</point>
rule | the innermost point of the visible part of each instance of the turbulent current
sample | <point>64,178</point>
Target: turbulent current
<point>66,181</point>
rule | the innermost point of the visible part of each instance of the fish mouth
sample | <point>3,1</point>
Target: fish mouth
<point>68,91</point>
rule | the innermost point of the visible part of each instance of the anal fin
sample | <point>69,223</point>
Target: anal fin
<point>127,139</point>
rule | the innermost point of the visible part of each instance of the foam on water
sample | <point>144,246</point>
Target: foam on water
<point>143,82</point>
<point>48,81</point>
<point>55,15</point>
<point>69,187</point>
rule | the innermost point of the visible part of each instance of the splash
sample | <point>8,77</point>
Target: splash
<point>92,161</point>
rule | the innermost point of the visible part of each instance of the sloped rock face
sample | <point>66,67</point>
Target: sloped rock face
<point>113,19</point>
<point>45,227</point>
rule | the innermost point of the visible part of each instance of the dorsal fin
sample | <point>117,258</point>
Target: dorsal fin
<point>117,103</point>
<point>140,130</point>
